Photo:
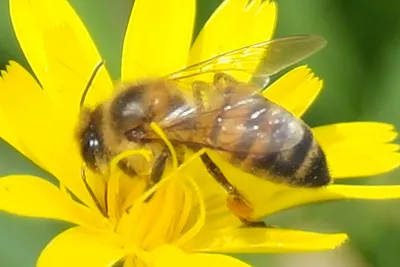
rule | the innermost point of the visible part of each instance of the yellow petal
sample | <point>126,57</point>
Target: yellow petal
<point>252,23</point>
<point>295,91</point>
<point>158,38</point>
<point>359,149</point>
<point>294,197</point>
<point>166,256</point>
<point>216,36</point>
<point>265,240</point>
<point>265,22</point>
<point>78,246</point>
<point>373,131</point>
<point>8,134</point>
<point>364,192</point>
<point>34,197</point>
<point>29,37</point>
<point>32,116</point>
<point>40,127</point>
<point>59,50</point>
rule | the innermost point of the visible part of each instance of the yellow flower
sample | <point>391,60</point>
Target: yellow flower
<point>187,216</point>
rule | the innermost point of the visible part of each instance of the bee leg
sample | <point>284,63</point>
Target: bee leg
<point>157,170</point>
<point>180,153</point>
<point>236,202</point>
<point>222,80</point>
<point>125,168</point>
<point>198,88</point>
<point>159,166</point>
<point>256,224</point>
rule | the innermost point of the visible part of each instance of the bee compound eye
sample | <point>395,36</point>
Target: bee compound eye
<point>88,151</point>
<point>91,149</point>
<point>93,143</point>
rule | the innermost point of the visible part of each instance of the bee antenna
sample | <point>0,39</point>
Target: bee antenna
<point>94,73</point>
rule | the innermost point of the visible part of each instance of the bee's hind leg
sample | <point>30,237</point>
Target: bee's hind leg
<point>236,202</point>
<point>256,224</point>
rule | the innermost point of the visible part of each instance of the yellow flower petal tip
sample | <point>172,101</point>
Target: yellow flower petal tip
<point>372,131</point>
<point>381,192</point>
<point>288,197</point>
<point>15,76</point>
<point>359,149</point>
<point>310,242</point>
<point>42,34</point>
<point>265,21</point>
<point>296,90</point>
<point>266,240</point>
<point>254,23</point>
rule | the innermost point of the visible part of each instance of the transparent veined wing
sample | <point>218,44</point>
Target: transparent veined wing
<point>260,60</point>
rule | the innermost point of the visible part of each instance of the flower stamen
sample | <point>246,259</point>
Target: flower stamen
<point>157,129</point>
<point>113,184</point>
<point>142,152</point>
<point>195,229</point>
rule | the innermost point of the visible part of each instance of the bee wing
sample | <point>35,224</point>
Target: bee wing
<point>260,60</point>
<point>251,122</point>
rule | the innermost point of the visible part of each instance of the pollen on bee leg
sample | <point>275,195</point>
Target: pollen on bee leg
<point>240,206</point>
<point>244,211</point>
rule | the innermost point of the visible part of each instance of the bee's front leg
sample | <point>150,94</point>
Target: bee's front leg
<point>157,170</point>
<point>158,167</point>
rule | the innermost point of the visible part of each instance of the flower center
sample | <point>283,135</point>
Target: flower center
<point>171,212</point>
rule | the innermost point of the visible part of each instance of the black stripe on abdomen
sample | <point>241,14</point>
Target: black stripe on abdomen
<point>317,172</point>
<point>284,164</point>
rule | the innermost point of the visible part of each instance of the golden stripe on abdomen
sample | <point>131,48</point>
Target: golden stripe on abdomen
<point>255,119</point>
<point>219,118</point>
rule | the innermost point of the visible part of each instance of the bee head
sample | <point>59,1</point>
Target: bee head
<point>90,139</point>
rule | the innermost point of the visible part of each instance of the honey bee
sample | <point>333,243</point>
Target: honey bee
<point>225,115</point>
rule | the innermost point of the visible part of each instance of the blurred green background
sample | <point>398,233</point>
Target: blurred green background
<point>360,66</point>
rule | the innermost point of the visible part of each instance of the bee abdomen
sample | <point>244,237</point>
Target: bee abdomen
<point>302,165</point>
